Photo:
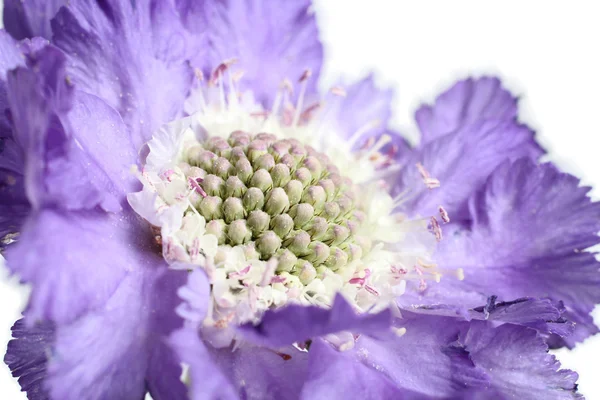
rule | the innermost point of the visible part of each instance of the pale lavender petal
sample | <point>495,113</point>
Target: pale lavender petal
<point>133,56</point>
<point>512,249</point>
<point>339,375</point>
<point>462,161</point>
<point>468,101</point>
<point>272,40</point>
<point>64,136</point>
<point>119,350</point>
<point>26,19</point>
<point>296,323</point>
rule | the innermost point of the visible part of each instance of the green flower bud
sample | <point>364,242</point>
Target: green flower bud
<point>331,210</point>
<point>329,188</point>
<point>256,149</point>
<point>262,180</point>
<point>265,161</point>
<point>298,243</point>
<point>287,260</point>
<point>217,227</point>
<point>319,253</point>
<point>282,225</point>
<point>234,187</point>
<point>233,209</point>
<point>302,214</point>
<point>277,202</point>
<point>314,166</point>
<point>267,244</point>
<point>317,228</point>
<point>210,208</point>
<point>280,175</point>
<point>254,199</point>
<point>244,170</point>
<point>238,232</point>
<point>294,189</point>
<point>213,185</point>
<point>337,259</point>
<point>222,167</point>
<point>239,138</point>
<point>303,175</point>
<point>306,272</point>
<point>258,222</point>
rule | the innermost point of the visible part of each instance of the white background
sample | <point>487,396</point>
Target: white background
<point>546,52</point>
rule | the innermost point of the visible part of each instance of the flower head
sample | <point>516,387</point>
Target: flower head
<point>177,192</point>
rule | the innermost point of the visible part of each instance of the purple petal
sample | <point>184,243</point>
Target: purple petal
<point>26,19</point>
<point>14,205</point>
<point>111,353</point>
<point>272,40</point>
<point>543,315</point>
<point>133,56</point>
<point>531,226</point>
<point>296,323</point>
<point>462,161</point>
<point>79,260</point>
<point>27,356</point>
<point>468,101</point>
<point>339,375</point>
<point>206,381</point>
<point>518,364</point>
<point>364,107</point>
<point>64,136</point>
<point>260,373</point>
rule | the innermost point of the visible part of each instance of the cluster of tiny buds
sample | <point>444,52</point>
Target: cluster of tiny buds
<point>286,199</point>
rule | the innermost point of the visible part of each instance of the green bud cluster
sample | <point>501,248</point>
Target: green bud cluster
<point>287,198</point>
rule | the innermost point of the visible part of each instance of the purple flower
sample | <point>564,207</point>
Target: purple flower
<point>177,193</point>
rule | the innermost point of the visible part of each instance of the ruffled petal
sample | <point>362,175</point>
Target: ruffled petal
<point>272,40</point>
<point>74,261</point>
<point>133,55</point>
<point>67,135</point>
<point>512,249</point>
<point>14,205</point>
<point>118,351</point>
<point>338,375</point>
<point>296,323</point>
<point>26,19</point>
<point>445,357</point>
<point>362,108</point>
<point>517,363</point>
<point>462,161</point>
<point>468,101</point>
<point>27,356</point>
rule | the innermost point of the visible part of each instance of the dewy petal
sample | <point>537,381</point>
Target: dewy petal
<point>462,161</point>
<point>363,107</point>
<point>27,356</point>
<point>74,261</point>
<point>119,351</point>
<point>67,135</point>
<point>271,40</point>
<point>338,375</point>
<point>296,323</point>
<point>517,362</point>
<point>26,19</point>
<point>466,102</point>
<point>205,381</point>
<point>14,205</point>
<point>133,55</point>
<point>444,357</point>
<point>543,315</point>
<point>512,248</point>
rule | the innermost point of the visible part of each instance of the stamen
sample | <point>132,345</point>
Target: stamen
<point>194,182</point>
<point>338,91</point>
<point>436,229</point>
<point>430,182</point>
<point>444,215</point>
<point>303,84</point>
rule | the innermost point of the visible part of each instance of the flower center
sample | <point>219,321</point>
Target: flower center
<point>270,218</point>
<point>287,198</point>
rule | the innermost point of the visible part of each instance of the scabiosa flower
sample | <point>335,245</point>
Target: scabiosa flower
<point>178,194</point>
